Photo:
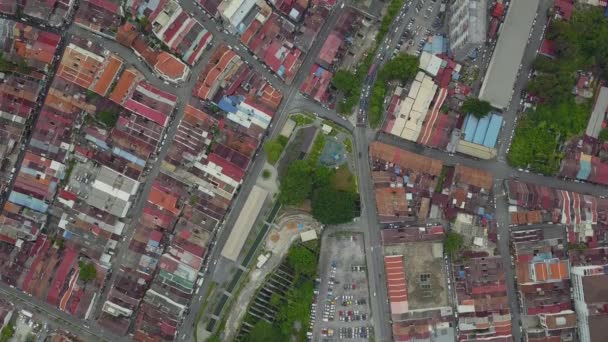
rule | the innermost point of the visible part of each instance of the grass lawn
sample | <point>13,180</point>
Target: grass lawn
<point>344,180</point>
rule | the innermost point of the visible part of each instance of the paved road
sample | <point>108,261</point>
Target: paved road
<point>292,102</point>
<point>381,317</point>
<point>57,318</point>
<point>375,259</point>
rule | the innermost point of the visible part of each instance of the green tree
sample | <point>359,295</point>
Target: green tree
<point>23,67</point>
<point>297,309</point>
<point>266,174</point>
<point>345,82</point>
<point>302,260</point>
<point>296,185</point>
<point>273,149</point>
<point>401,68</point>
<point>5,65</point>
<point>263,331</point>
<point>322,177</point>
<point>7,332</point>
<point>88,271</point>
<point>603,135</point>
<point>275,299</point>
<point>108,118</point>
<point>452,243</point>
<point>476,107</point>
<point>143,23</point>
<point>330,206</point>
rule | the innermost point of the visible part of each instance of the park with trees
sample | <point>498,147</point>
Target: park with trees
<point>581,44</point>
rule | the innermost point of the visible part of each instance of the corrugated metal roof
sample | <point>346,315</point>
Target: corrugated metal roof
<point>482,128</point>
<point>28,201</point>
<point>470,126</point>
<point>584,170</point>
<point>493,129</point>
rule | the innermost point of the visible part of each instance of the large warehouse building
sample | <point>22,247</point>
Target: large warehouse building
<point>501,75</point>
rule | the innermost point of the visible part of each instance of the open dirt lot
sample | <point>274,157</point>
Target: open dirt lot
<point>424,276</point>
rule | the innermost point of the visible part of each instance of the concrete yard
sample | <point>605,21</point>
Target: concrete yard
<point>426,282</point>
<point>343,290</point>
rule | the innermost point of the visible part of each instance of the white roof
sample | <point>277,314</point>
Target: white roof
<point>501,75</point>
<point>308,235</point>
<point>413,109</point>
<point>430,63</point>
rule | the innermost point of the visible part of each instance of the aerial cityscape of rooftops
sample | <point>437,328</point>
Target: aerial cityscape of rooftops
<point>304,170</point>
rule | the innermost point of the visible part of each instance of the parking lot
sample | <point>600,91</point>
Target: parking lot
<point>428,20</point>
<point>342,308</point>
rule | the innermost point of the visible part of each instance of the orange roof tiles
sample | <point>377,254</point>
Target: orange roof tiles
<point>163,200</point>
<point>217,70</point>
<point>28,52</point>
<point>473,176</point>
<point>170,66</point>
<point>196,116</point>
<point>146,52</point>
<point>405,159</point>
<point>79,66</point>
<point>271,96</point>
<point>391,201</point>
<point>128,78</point>
<point>543,271</point>
<point>109,74</point>
<point>126,34</point>
<point>540,270</point>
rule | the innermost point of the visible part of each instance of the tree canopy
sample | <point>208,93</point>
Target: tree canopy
<point>538,135</point>
<point>330,206</point>
<point>296,185</point>
<point>603,135</point>
<point>476,107</point>
<point>302,260</point>
<point>581,44</point>
<point>88,271</point>
<point>452,243</point>
<point>263,331</point>
<point>5,65</point>
<point>108,118</point>
<point>7,332</point>
<point>401,68</point>
<point>274,148</point>
<point>345,82</point>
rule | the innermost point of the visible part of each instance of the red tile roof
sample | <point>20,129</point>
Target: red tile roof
<point>170,66</point>
<point>147,112</point>
<point>330,48</point>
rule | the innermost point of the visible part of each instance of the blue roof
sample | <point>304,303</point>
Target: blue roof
<point>99,143</point>
<point>128,156</point>
<point>228,104</point>
<point>438,45</point>
<point>319,71</point>
<point>585,170</point>
<point>493,129</point>
<point>482,128</point>
<point>28,201</point>
<point>470,125</point>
